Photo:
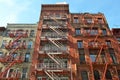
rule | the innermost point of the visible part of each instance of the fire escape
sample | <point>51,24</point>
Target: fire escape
<point>58,66</point>
<point>11,59</point>
<point>96,44</point>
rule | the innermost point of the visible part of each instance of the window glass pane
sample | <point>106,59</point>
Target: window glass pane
<point>80,44</point>
<point>77,31</point>
<point>75,20</point>
<point>82,58</point>
<point>108,75</point>
<point>4,43</point>
<point>32,33</point>
<point>30,43</point>
<point>24,72</point>
<point>96,75</point>
<point>94,32</point>
<point>104,32</point>
<point>27,57</point>
<point>93,57</point>
<point>112,55</point>
<point>108,43</point>
<point>84,75</point>
<point>100,20</point>
<point>118,71</point>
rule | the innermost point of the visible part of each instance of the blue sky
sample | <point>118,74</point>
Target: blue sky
<point>28,11</point>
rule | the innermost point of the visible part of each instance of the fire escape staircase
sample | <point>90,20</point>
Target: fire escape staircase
<point>58,61</point>
<point>18,59</point>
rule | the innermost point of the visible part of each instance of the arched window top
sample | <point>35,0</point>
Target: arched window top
<point>108,74</point>
<point>96,75</point>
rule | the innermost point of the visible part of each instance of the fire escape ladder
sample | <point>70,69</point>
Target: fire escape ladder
<point>10,44</point>
<point>56,43</point>
<point>7,68</point>
<point>57,30</point>
<point>53,41</point>
<point>55,59</point>
<point>54,19</point>
<point>52,75</point>
<point>99,53</point>
<point>91,69</point>
<point>105,69</point>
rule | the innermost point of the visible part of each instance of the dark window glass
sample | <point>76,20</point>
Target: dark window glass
<point>82,58</point>
<point>27,57</point>
<point>100,20</point>
<point>81,51</point>
<point>30,43</point>
<point>112,55</point>
<point>93,32</point>
<point>32,33</point>
<point>80,44</point>
<point>1,54</point>
<point>24,72</point>
<point>77,31</point>
<point>108,75</point>
<point>84,75</point>
<point>108,43</point>
<point>96,75</point>
<point>104,32</point>
<point>4,44</point>
<point>118,71</point>
<point>75,20</point>
<point>93,57</point>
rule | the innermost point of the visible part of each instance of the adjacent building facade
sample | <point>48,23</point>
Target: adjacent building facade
<point>16,51</point>
<point>116,33</point>
<point>62,46</point>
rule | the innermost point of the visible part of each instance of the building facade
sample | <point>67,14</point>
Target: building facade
<point>62,46</point>
<point>116,33</point>
<point>17,48</point>
<point>74,46</point>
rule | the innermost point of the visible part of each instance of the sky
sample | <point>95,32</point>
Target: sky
<point>28,11</point>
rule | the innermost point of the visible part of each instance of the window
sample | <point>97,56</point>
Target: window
<point>7,32</point>
<point>32,33</point>
<point>108,75</point>
<point>24,73</point>
<point>75,20</point>
<point>88,20</point>
<point>14,55</point>
<point>104,32</point>
<point>112,55</point>
<point>3,44</point>
<point>84,75</point>
<point>108,43</point>
<point>1,54</point>
<point>93,57</point>
<point>93,54</point>
<point>30,43</point>
<point>27,57</point>
<point>82,58</point>
<point>10,72</point>
<point>100,20</point>
<point>96,75</point>
<point>77,31</point>
<point>118,71</point>
<point>81,51</point>
<point>94,32</point>
<point>39,78</point>
<point>80,44</point>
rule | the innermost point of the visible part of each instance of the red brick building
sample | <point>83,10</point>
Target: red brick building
<point>74,46</point>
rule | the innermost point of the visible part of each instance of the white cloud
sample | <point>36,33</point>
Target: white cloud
<point>11,9</point>
<point>61,3</point>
